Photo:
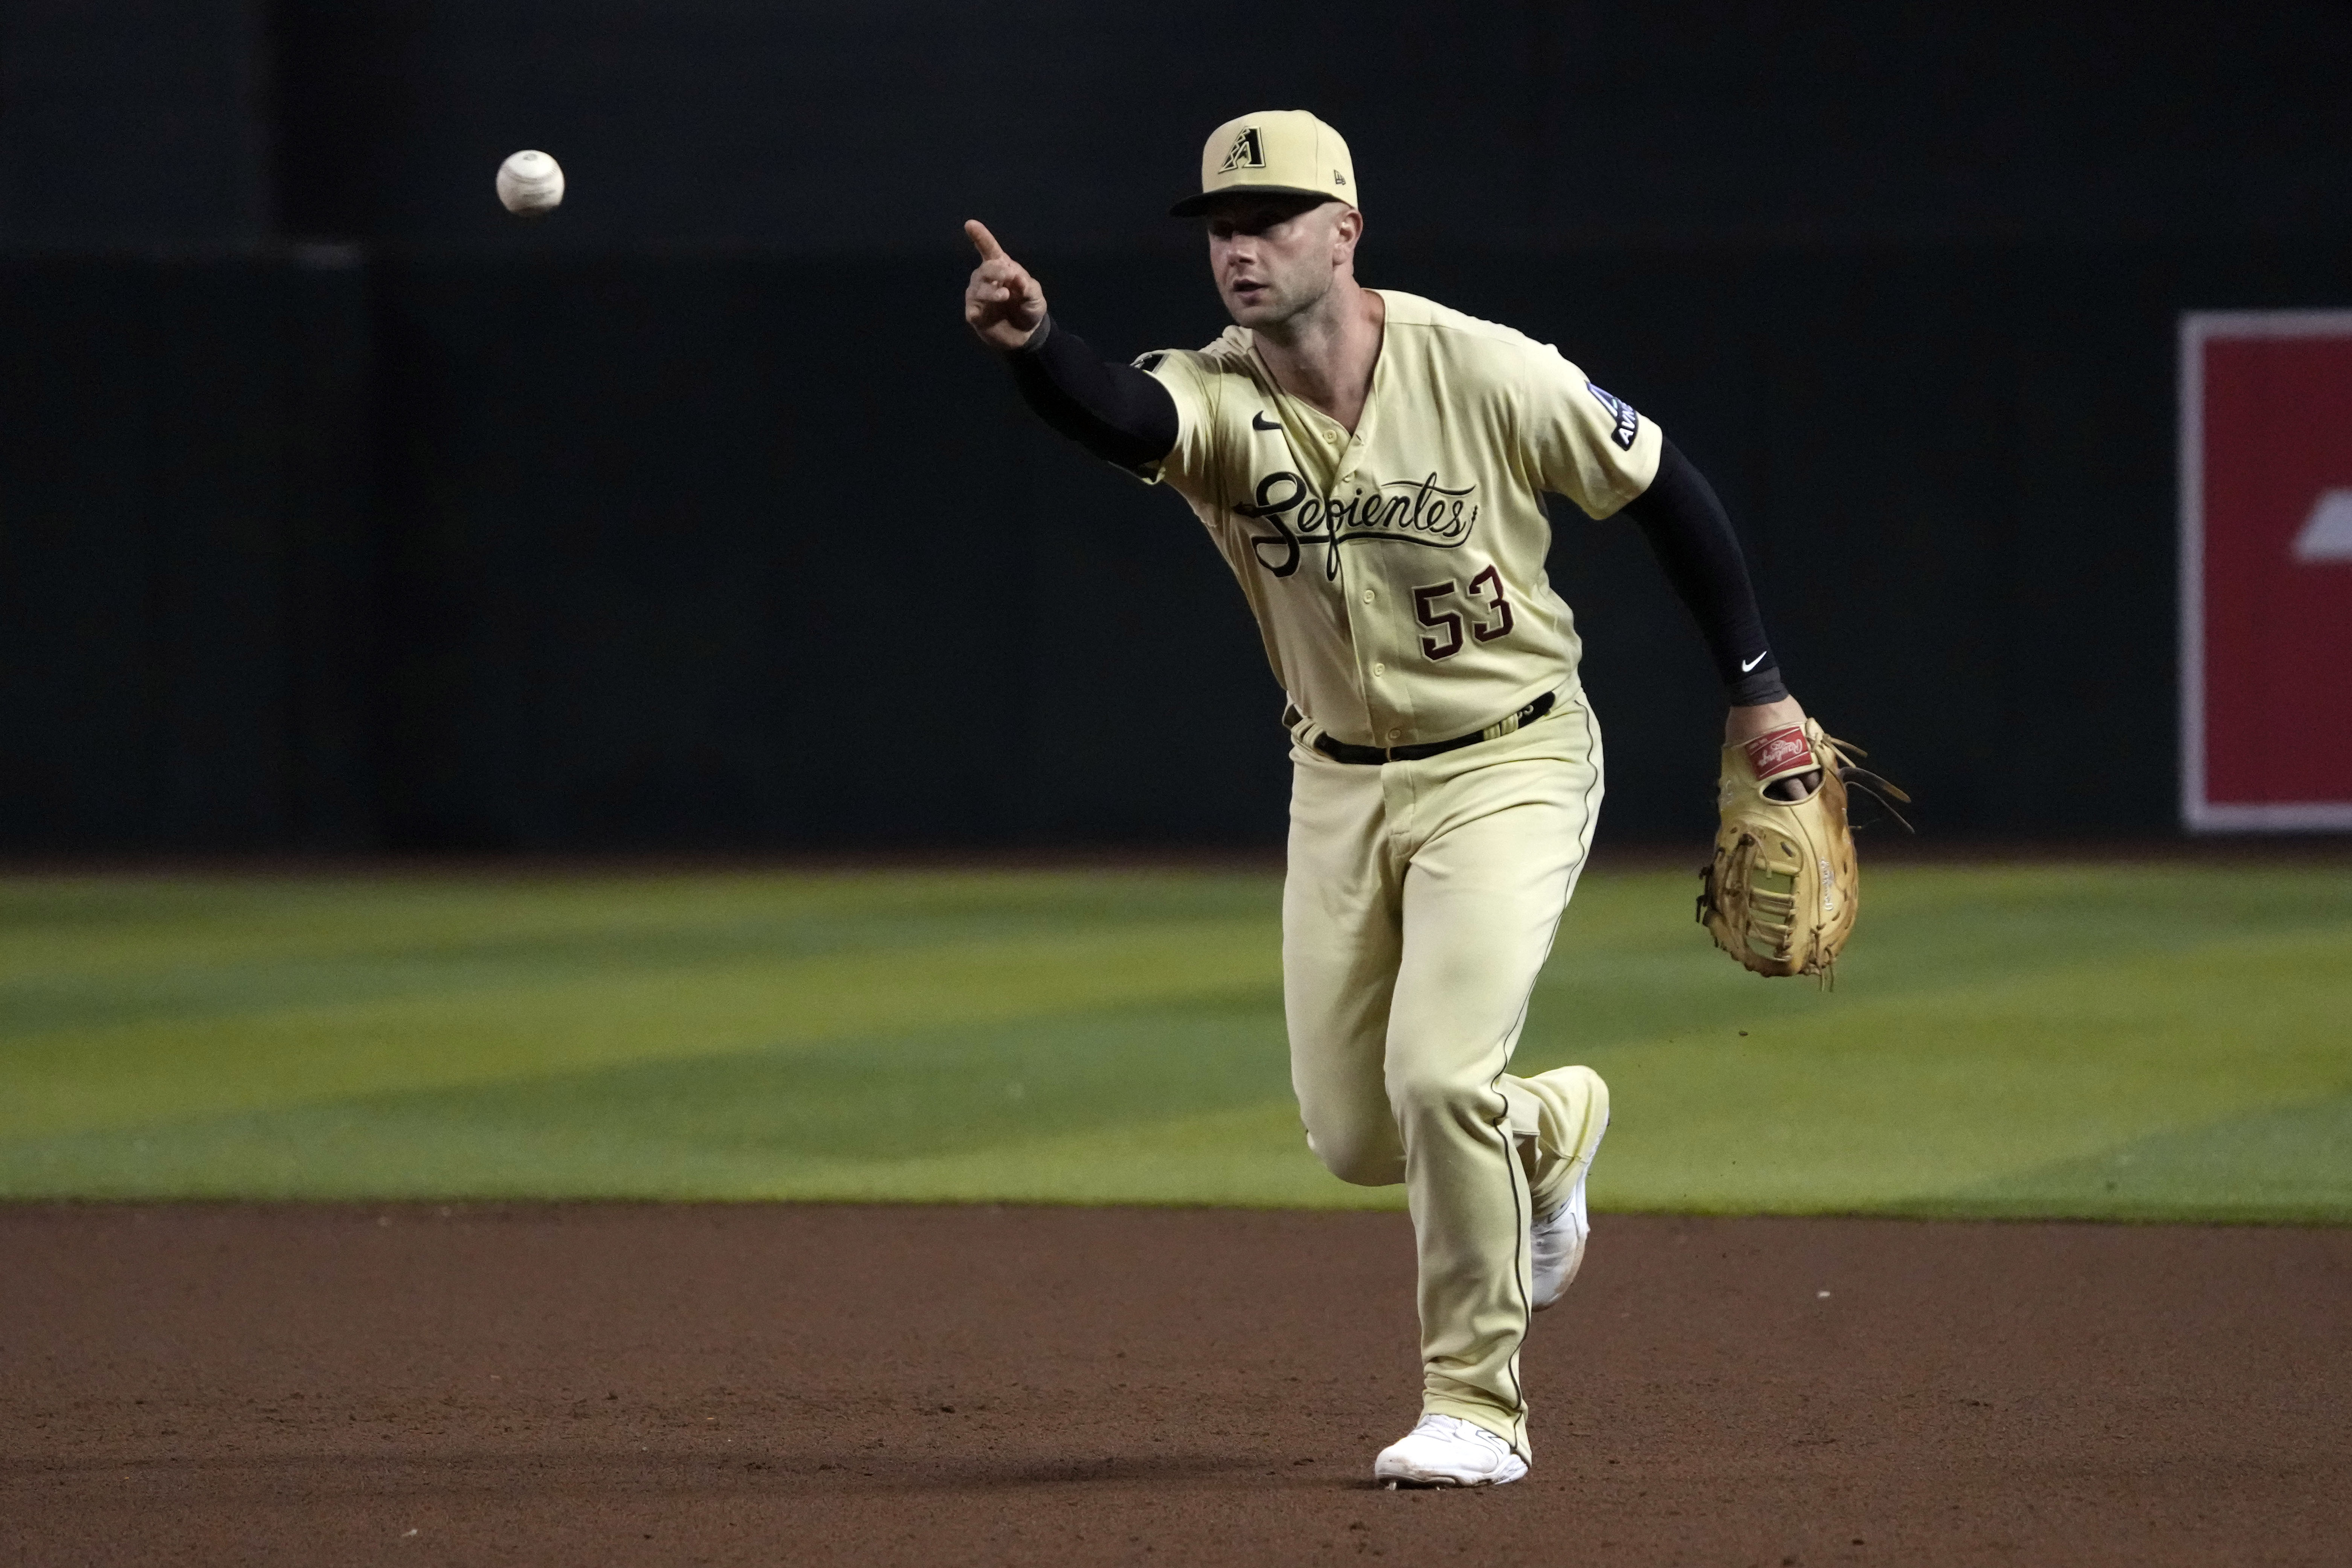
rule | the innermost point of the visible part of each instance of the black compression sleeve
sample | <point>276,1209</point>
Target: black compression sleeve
<point>1115,411</point>
<point>1691,533</point>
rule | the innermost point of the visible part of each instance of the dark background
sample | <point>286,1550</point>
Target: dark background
<point>340,511</point>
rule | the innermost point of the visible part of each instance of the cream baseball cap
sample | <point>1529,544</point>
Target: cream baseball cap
<point>1275,151</point>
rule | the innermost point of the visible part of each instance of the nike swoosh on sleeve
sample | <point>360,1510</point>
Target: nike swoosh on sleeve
<point>1747,664</point>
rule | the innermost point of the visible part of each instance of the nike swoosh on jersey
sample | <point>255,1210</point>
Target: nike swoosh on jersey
<point>1258,422</point>
<point>1747,664</point>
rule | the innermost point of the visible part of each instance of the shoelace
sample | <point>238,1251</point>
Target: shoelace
<point>1453,1426</point>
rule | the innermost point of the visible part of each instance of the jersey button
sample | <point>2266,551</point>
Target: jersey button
<point>1367,595</point>
<point>1396,734</point>
<point>1379,670</point>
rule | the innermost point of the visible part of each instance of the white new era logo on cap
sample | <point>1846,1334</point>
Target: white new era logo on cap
<point>2328,533</point>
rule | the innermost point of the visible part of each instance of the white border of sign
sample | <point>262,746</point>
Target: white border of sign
<point>2197,813</point>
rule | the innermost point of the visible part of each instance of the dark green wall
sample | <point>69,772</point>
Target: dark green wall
<point>594,551</point>
<point>340,510</point>
<point>187,540</point>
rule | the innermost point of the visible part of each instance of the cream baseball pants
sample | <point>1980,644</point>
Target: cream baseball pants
<point>1420,903</point>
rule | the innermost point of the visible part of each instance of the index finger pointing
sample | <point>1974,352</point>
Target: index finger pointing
<point>978,233</point>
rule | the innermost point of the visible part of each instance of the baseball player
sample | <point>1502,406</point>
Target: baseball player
<point>1373,466</point>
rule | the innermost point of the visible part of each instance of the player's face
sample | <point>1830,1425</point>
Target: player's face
<point>1275,257</point>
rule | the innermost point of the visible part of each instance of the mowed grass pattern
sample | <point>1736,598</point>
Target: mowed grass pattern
<point>2151,1041</point>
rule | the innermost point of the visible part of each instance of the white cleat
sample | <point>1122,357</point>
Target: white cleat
<point>1447,1451</point>
<point>1555,1241</point>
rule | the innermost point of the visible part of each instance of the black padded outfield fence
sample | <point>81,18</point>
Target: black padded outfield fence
<point>691,519</point>
<point>629,550</point>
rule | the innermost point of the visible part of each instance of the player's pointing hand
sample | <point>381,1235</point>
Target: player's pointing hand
<point>1002,304</point>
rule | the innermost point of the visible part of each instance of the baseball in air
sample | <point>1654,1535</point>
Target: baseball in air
<point>530,185</point>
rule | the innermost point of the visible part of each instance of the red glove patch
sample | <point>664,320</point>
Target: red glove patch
<point>1781,754</point>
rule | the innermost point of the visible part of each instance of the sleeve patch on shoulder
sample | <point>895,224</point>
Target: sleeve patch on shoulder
<point>1629,423</point>
<point>1151,362</point>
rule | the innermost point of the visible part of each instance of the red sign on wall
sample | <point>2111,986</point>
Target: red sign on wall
<point>2266,570</point>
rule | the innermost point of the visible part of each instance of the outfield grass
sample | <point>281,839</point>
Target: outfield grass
<point>2160,1041</point>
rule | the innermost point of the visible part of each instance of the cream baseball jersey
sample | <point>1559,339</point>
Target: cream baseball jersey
<point>1397,574</point>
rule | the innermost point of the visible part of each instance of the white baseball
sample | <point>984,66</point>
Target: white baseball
<point>530,183</point>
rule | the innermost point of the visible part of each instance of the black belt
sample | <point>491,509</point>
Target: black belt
<point>1369,756</point>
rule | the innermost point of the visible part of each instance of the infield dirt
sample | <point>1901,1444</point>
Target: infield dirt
<point>746,1384</point>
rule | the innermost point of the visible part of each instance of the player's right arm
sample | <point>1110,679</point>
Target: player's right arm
<point>1002,304</point>
<point>1118,413</point>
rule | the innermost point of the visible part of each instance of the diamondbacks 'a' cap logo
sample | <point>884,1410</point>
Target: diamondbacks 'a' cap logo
<point>1247,153</point>
<point>1283,152</point>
